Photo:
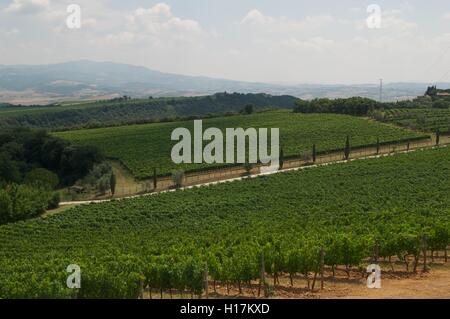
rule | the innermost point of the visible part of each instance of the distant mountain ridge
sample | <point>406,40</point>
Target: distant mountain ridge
<point>40,84</point>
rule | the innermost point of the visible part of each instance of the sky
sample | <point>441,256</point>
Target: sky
<point>275,41</point>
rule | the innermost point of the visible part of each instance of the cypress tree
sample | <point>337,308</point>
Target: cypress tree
<point>438,137</point>
<point>347,148</point>
<point>281,158</point>
<point>378,145</point>
<point>314,154</point>
<point>155,179</point>
<point>112,183</point>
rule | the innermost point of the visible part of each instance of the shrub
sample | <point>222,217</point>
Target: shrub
<point>54,201</point>
<point>178,178</point>
<point>42,178</point>
<point>5,207</point>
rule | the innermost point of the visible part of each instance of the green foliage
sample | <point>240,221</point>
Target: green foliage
<point>431,90</point>
<point>39,156</point>
<point>142,148</point>
<point>347,148</point>
<point>112,183</point>
<point>314,153</point>
<point>167,240</point>
<point>5,207</point>
<point>21,202</point>
<point>9,169</point>
<point>424,119</point>
<point>441,104</point>
<point>99,178</point>
<point>54,201</point>
<point>353,106</point>
<point>281,159</point>
<point>249,109</point>
<point>42,178</point>
<point>178,178</point>
<point>124,111</point>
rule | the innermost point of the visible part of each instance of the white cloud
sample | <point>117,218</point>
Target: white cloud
<point>159,20</point>
<point>256,17</point>
<point>27,6</point>
<point>447,16</point>
<point>283,24</point>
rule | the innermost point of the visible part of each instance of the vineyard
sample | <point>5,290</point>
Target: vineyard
<point>286,223</point>
<point>427,120</point>
<point>143,148</point>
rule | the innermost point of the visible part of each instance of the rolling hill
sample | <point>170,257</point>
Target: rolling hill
<point>82,80</point>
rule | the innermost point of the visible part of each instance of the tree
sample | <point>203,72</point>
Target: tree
<point>281,158</point>
<point>249,109</point>
<point>155,179</point>
<point>378,145</point>
<point>27,201</point>
<point>347,148</point>
<point>112,183</point>
<point>431,91</point>
<point>441,104</point>
<point>103,185</point>
<point>42,177</point>
<point>354,106</point>
<point>9,171</point>
<point>314,153</point>
<point>5,207</point>
<point>54,201</point>
<point>178,178</point>
<point>438,137</point>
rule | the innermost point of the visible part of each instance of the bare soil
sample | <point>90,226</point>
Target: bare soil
<point>397,284</point>
<point>434,284</point>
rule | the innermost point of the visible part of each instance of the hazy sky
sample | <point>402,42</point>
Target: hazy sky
<point>256,40</point>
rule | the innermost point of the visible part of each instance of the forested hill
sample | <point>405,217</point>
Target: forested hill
<point>131,111</point>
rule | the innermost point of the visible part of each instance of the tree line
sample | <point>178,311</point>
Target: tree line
<point>358,106</point>
<point>128,111</point>
<point>32,165</point>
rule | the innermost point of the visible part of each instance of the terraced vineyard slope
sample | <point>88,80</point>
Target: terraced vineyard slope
<point>424,119</point>
<point>141,148</point>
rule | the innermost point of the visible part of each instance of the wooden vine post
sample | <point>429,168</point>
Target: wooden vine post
<point>206,275</point>
<point>262,278</point>
<point>322,259</point>
<point>141,289</point>
<point>424,250</point>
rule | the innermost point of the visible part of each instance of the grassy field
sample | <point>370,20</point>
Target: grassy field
<point>391,202</point>
<point>427,120</point>
<point>141,148</point>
